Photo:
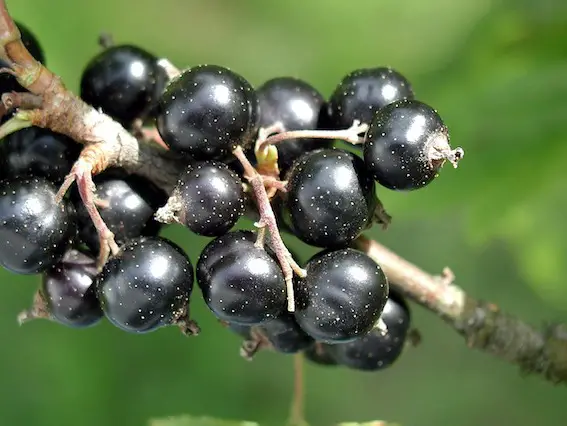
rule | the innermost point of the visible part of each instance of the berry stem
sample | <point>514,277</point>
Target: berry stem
<point>268,219</point>
<point>381,216</point>
<point>350,135</point>
<point>38,309</point>
<point>482,324</point>
<point>297,412</point>
<point>81,173</point>
<point>170,70</point>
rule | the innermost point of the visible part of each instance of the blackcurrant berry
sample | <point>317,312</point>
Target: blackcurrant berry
<point>376,350</point>
<point>68,292</point>
<point>342,296</point>
<point>206,112</point>
<point>297,105</point>
<point>282,334</point>
<point>131,203</point>
<point>245,287</point>
<point>406,145</point>
<point>35,230</point>
<point>221,247</point>
<point>331,197</point>
<point>285,335</point>
<point>40,152</point>
<point>363,92</point>
<point>124,81</point>
<point>318,353</point>
<point>8,82</point>
<point>147,285</point>
<point>210,198</point>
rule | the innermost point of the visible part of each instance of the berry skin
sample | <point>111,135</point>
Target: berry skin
<point>8,83</point>
<point>282,334</point>
<point>221,247</point>
<point>35,230</point>
<point>35,151</point>
<point>376,351</point>
<point>132,202</point>
<point>406,145</point>
<point>245,286</point>
<point>297,105</point>
<point>68,291</point>
<point>342,296</point>
<point>363,92</point>
<point>211,198</point>
<point>124,81</point>
<point>331,198</point>
<point>318,353</point>
<point>285,335</point>
<point>147,285</point>
<point>206,112</point>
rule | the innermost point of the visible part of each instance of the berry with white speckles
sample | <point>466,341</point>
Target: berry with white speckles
<point>35,151</point>
<point>69,293</point>
<point>221,247</point>
<point>298,106</point>
<point>147,285</point>
<point>285,335</point>
<point>211,198</point>
<point>405,145</point>
<point>342,296</point>
<point>377,350</point>
<point>206,112</point>
<point>331,198</point>
<point>363,92</point>
<point>244,286</point>
<point>35,230</point>
<point>132,201</point>
<point>124,81</point>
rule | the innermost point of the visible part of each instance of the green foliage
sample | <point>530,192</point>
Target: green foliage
<point>198,421</point>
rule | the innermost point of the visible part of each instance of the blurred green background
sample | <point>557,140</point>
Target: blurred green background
<point>497,73</point>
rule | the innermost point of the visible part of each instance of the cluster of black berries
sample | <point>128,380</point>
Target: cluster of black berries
<point>345,312</point>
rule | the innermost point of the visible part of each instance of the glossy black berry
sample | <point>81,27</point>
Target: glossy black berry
<point>405,145</point>
<point>206,112</point>
<point>331,197</point>
<point>35,230</point>
<point>147,285</point>
<point>282,334</point>
<point>245,286</point>
<point>318,353</point>
<point>34,151</point>
<point>376,350</point>
<point>69,293</point>
<point>132,202</point>
<point>211,198</point>
<point>8,83</point>
<point>285,335</point>
<point>363,92</point>
<point>124,81</point>
<point>221,247</point>
<point>342,296</point>
<point>297,105</point>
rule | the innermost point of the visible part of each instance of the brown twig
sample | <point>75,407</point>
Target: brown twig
<point>297,411</point>
<point>482,324</point>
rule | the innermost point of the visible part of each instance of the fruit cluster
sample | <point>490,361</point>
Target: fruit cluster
<point>283,141</point>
